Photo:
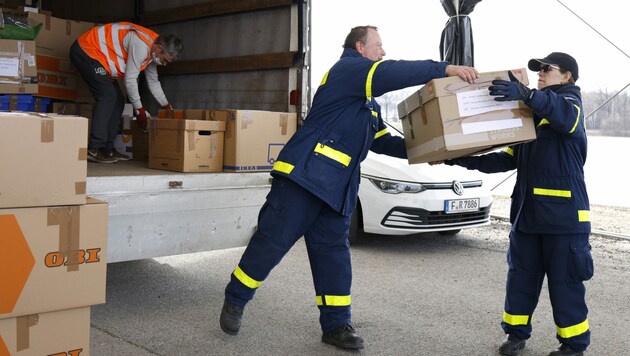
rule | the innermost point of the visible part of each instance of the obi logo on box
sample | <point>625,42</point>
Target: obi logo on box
<point>76,352</point>
<point>76,257</point>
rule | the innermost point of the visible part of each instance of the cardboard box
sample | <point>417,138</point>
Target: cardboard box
<point>43,159</point>
<point>57,78</point>
<point>253,139</point>
<point>57,35</point>
<point>450,118</point>
<point>62,332</point>
<point>186,145</point>
<point>52,258</point>
<point>185,114</point>
<point>18,67</point>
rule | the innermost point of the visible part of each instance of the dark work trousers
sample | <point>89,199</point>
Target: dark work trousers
<point>110,102</point>
<point>567,262</point>
<point>289,213</point>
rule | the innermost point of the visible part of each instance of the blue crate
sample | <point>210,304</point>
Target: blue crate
<point>23,102</point>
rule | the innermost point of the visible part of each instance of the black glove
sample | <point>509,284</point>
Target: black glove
<point>512,90</point>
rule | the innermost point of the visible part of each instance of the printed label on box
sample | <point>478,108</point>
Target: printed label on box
<point>480,101</point>
<point>476,127</point>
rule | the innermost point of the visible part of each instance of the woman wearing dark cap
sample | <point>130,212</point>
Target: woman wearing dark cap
<point>550,208</point>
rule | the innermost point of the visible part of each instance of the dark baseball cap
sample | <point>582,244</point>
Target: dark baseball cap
<point>562,60</point>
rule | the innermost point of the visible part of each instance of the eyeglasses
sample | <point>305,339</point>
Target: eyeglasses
<point>547,67</point>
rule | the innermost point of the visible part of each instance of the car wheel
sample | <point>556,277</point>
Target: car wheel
<point>356,226</point>
<point>449,232</point>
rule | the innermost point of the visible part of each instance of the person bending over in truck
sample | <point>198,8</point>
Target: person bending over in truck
<point>550,207</point>
<point>316,180</point>
<point>110,52</point>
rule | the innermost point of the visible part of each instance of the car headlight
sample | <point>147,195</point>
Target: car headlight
<point>396,187</point>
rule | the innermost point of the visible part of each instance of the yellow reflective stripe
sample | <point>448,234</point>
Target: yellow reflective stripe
<point>572,331</point>
<point>374,113</point>
<point>368,82</point>
<point>334,300</point>
<point>543,122</point>
<point>283,167</point>
<point>584,215</point>
<point>245,279</point>
<point>515,319</point>
<point>577,119</point>
<point>324,79</point>
<point>380,133</point>
<point>333,154</point>
<point>509,150</point>
<point>553,192</point>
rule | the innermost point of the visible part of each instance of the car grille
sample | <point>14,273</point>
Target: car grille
<point>409,218</point>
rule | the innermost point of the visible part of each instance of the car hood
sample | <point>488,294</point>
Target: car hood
<point>387,167</point>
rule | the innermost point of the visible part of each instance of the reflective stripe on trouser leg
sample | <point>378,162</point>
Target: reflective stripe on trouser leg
<point>570,264</point>
<point>329,255</point>
<point>524,282</point>
<point>283,219</point>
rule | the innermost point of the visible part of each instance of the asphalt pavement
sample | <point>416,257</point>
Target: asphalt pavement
<point>416,295</point>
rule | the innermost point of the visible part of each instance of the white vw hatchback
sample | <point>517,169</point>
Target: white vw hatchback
<point>396,198</point>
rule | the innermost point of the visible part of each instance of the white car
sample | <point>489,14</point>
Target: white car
<point>396,198</point>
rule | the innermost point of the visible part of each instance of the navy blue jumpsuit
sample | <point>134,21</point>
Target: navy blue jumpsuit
<point>316,180</point>
<point>550,217</point>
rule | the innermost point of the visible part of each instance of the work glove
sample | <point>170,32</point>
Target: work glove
<point>512,90</point>
<point>142,117</point>
<point>167,107</point>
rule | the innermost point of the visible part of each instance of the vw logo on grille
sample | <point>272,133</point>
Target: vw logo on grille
<point>458,187</point>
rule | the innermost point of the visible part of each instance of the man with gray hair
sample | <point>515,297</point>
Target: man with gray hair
<point>114,51</point>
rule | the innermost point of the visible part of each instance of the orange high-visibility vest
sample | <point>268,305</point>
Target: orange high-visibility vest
<point>105,44</point>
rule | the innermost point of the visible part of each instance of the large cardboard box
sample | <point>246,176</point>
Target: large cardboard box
<point>253,139</point>
<point>186,145</point>
<point>185,114</point>
<point>58,333</point>
<point>450,118</point>
<point>56,35</point>
<point>18,67</point>
<point>52,258</point>
<point>43,159</point>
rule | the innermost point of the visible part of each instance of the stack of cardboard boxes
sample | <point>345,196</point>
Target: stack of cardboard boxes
<point>52,238</point>
<point>41,68</point>
<point>218,140</point>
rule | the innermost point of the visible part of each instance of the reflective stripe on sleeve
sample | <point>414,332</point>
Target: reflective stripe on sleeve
<point>245,279</point>
<point>333,154</point>
<point>380,133</point>
<point>572,331</point>
<point>283,167</point>
<point>553,192</point>
<point>509,150</point>
<point>584,215</point>
<point>334,300</point>
<point>516,319</point>
<point>324,79</point>
<point>577,119</point>
<point>368,82</point>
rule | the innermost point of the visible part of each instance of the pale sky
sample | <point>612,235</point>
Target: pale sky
<point>507,33</point>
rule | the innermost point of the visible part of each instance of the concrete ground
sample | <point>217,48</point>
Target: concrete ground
<point>416,295</point>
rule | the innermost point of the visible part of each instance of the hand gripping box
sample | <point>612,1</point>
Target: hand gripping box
<point>43,159</point>
<point>450,118</point>
<point>52,258</point>
<point>186,145</point>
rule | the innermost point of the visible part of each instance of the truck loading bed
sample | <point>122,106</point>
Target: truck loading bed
<point>155,213</point>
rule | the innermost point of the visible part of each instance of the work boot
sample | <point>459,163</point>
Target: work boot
<point>344,337</point>
<point>512,346</point>
<point>565,349</point>
<point>231,316</point>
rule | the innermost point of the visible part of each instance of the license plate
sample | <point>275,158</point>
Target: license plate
<point>461,205</point>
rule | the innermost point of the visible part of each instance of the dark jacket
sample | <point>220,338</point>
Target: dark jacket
<point>550,193</point>
<point>324,155</point>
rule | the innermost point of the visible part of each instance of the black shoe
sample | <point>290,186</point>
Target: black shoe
<point>95,155</point>
<point>344,337</point>
<point>512,346</point>
<point>231,316</point>
<point>565,349</point>
<point>119,156</point>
